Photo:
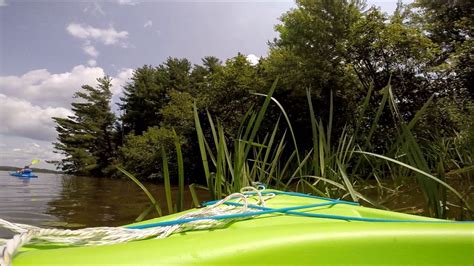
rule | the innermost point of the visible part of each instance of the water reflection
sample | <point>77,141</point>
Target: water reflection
<point>74,202</point>
<point>97,202</point>
<point>24,200</point>
<point>85,201</point>
<point>25,181</point>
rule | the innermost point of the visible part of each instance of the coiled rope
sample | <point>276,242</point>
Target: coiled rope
<point>200,219</point>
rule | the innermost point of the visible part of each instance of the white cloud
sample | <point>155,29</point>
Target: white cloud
<point>3,3</point>
<point>106,36</point>
<point>90,50</point>
<point>253,59</point>
<point>120,80</point>
<point>19,117</point>
<point>127,2</point>
<point>28,102</point>
<point>19,151</point>
<point>149,23</point>
<point>45,89</point>
<point>77,31</point>
<point>92,62</point>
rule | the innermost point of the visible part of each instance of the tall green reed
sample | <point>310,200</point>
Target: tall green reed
<point>155,204</point>
<point>339,167</point>
<point>247,160</point>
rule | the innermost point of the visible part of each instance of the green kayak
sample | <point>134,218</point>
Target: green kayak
<point>293,229</point>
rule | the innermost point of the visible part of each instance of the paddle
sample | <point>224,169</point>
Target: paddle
<point>34,161</point>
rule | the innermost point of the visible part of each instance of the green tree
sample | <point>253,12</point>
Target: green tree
<point>85,138</point>
<point>175,74</point>
<point>311,53</point>
<point>142,101</point>
<point>148,93</point>
<point>384,50</point>
<point>313,38</point>
<point>450,24</point>
<point>141,155</point>
<point>227,92</point>
<point>201,74</point>
<point>178,113</point>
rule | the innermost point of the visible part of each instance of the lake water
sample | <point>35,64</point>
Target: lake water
<point>62,201</point>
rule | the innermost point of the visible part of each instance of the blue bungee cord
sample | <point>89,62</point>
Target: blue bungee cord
<point>290,211</point>
<point>296,194</point>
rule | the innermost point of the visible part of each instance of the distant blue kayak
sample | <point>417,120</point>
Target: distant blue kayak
<point>24,175</point>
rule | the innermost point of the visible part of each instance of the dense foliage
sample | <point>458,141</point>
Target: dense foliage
<point>86,137</point>
<point>333,61</point>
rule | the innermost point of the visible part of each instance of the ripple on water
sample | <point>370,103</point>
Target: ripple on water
<point>71,200</point>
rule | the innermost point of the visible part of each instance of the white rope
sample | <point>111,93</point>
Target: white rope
<point>97,236</point>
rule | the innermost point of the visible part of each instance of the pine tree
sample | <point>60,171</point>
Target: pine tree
<point>85,138</point>
<point>148,92</point>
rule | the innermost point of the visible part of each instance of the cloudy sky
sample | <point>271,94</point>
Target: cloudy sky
<point>48,49</point>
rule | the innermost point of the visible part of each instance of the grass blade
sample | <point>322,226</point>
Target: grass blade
<point>194,196</point>
<point>202,149</point>
<point>166,177</point>
<point>153,201</point>
<point>179,156</point>
<point>348,183</point>
<point>420,172</point>
<point>144,213</point>
<point>288,122</point>
<point>314,130</point>
<point>331,110</point>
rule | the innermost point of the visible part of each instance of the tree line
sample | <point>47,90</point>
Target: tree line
<point>334,52</point>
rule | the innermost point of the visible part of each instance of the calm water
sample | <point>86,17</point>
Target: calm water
<point>74,202</point>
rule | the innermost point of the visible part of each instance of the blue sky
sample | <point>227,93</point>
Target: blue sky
<point>48,49</point>
<point>36,32</point>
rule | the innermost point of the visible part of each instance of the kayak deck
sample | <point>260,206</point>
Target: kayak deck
<point>278,238</point>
